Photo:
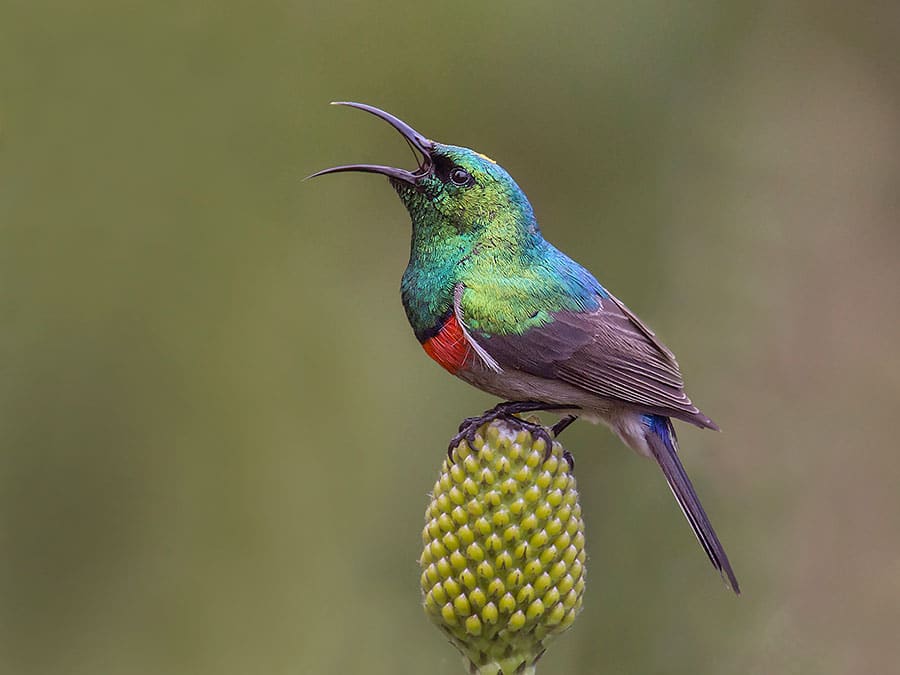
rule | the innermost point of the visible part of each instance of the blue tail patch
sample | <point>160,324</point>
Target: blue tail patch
<point>659,425</point>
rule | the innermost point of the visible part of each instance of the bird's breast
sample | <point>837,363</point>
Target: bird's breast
<point>448,345</point>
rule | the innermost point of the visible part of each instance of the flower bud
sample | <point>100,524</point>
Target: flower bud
<point>503,558</point>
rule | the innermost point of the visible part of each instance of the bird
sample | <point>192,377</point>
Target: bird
<point>498,306</point>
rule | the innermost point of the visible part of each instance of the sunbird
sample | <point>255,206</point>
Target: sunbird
<point>500,307</point>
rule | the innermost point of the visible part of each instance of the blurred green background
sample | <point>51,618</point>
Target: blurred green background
<point>217,431</point>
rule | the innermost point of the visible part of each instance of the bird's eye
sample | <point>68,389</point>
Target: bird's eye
<point>460,176</point>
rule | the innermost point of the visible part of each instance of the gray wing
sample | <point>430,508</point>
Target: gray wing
<point>608,352</point>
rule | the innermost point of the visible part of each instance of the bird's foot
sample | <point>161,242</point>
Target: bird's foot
<point>467,431</point>
<point>508,411</point>
<point>470,426</point>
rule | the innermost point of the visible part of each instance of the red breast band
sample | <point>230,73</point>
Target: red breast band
<point>449,347</point>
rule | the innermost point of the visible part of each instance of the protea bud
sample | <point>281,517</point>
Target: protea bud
<point>503,559</point>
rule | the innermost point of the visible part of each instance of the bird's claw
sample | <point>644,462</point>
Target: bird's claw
<point>467,423</point>
<point>538,431</point>
<point>467,431</point>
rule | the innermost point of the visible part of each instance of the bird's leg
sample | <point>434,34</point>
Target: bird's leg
<point>557,429</point>
<point>506,410</point>
<point>562,425</point>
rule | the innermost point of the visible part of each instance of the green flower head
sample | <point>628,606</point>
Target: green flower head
<point>503,559</point>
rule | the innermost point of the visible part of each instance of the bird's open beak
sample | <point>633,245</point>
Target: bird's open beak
<point>417,140</point>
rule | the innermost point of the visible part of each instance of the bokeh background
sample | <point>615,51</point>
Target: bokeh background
<point>217,432</point>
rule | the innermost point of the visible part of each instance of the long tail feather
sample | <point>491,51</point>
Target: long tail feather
<point>664,445</point>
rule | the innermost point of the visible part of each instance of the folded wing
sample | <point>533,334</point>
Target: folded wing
<point>608,352</point>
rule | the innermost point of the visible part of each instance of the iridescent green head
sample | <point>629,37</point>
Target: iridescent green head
<point>453,185</point>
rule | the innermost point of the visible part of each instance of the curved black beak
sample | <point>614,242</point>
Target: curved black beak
<point>417,140</point>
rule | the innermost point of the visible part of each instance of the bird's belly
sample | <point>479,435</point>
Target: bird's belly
<point>516,385</point>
